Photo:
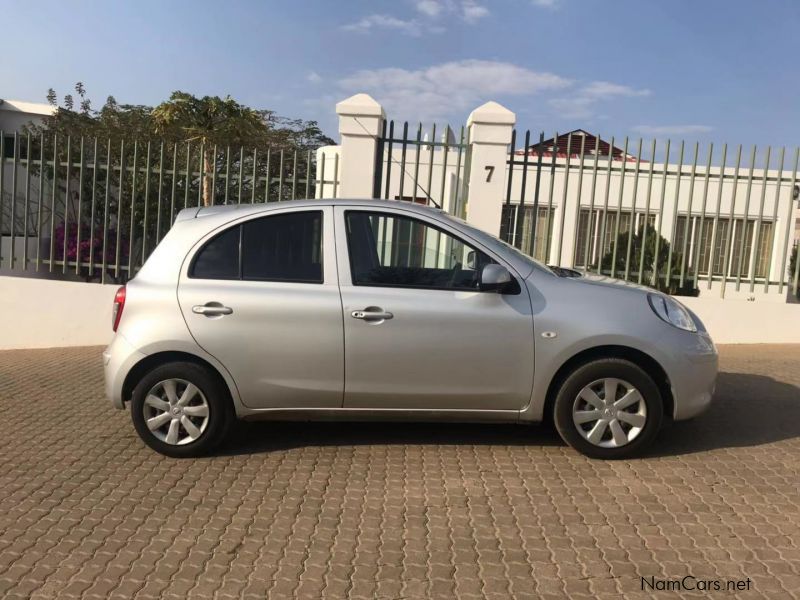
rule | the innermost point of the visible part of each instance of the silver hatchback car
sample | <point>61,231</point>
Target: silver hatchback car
<point>372,309</point>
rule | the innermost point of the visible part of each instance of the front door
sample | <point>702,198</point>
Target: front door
<point>418,333</point>
<point>262,297</point>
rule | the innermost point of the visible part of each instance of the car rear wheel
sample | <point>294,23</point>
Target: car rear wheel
<point>608,408</point>
<point>181,410</point>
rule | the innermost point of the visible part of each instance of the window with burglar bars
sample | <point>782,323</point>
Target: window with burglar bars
<point>590,230</point>
<point>533,244</point>
<point>734,257</point>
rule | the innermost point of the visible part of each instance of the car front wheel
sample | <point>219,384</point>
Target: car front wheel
<point>609,409</point>
<point>181,410</point>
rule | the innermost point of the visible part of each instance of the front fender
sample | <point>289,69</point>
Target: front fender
<point>571,317</point>
<point>550,360</point>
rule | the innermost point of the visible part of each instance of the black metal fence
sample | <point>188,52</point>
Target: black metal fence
<point>658,217</point>
<point>95,209</point>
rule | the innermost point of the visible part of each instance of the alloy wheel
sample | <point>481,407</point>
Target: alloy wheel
<point>609,412</point>
<point>176,411</point>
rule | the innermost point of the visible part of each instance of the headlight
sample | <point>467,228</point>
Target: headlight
<point>671,311</point>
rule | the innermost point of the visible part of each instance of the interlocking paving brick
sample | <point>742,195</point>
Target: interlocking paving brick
<point>333,510</point>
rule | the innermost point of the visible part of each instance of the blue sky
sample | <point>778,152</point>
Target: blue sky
<point>708,70</point>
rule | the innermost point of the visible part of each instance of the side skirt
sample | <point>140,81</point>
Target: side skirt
<point>380,414</point>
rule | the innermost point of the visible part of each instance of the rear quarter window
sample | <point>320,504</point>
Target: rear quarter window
<point>219,258</point>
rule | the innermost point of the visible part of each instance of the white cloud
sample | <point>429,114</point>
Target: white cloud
<point>430,8</point>
<point>370,22</point>
<point>606,89</point>
<point>468,10</point>
<point>314,77</point>
<point>658,130</point>
<point>546,3</point>
<point>582,102</point>
<point>431,13</point>
<point>472,12</point>
<point>449,88</point>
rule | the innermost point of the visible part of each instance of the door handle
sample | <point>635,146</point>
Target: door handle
<point>372,313</point>
<point>211,309</point>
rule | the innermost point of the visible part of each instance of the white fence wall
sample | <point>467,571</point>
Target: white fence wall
<point>737,321</point>
<point>38,313</point>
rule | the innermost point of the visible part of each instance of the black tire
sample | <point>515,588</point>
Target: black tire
<point>220,409</point>
<point>593,371</point>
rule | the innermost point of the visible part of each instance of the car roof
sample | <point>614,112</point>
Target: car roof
<point>247,209</point>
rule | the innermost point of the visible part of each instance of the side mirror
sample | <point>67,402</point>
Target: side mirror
<point>495,278</point>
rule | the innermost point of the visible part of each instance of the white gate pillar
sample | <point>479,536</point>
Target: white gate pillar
<point>360,123</point>
<point>490,128</point>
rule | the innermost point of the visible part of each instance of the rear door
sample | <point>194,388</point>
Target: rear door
<point>261,295</point>
<point>418,332</point>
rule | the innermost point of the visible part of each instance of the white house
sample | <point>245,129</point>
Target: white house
<point>14,115</point>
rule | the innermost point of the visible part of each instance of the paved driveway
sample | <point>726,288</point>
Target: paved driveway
<point>392,511</point>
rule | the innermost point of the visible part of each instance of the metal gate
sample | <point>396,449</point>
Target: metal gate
<point>421,168</point>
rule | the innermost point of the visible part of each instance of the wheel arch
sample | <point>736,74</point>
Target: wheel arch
<point>641,359</point>
<point>151,361</point>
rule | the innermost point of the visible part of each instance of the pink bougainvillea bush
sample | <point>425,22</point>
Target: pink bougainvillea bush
<point>90,246</point>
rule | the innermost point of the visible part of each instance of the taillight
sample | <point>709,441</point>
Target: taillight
<point>119,304</point>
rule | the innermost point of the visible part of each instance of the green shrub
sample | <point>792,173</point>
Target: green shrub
<point>654,272</point>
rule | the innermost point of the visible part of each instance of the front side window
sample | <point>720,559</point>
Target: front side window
<point>286,247</point>
<point>396,251</point>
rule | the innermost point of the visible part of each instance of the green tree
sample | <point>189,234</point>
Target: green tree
<point>209,121</point>
<point>164,145</point>
<point>181,118</point>
<point>113,120</point>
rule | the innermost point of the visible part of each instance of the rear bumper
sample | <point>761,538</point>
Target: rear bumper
<point>694,378</point>
<point>118,359</point>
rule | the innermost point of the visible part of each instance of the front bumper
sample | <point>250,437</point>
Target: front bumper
<point>693,377</point>
<point>118,359</point>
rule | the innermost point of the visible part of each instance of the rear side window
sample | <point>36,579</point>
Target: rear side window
<point>285,247</point>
